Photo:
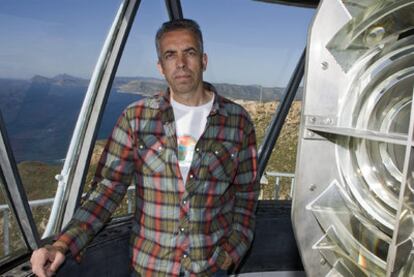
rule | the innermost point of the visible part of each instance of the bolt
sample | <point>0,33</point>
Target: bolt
<point>59,177</point>
<point>312,187</point>
<point>312,119</point>
<point>323,261</point>
<point>328,121</point>
<point>375,35</point>
<point>310,133</point>
<point>325,65</point>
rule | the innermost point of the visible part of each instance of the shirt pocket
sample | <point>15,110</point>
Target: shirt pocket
<point>221,161</point>
<point>151,152</point>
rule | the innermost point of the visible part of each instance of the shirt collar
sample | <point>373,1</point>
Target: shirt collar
<point>218,104</point>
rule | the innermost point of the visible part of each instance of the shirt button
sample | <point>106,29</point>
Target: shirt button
<point>160,148</point>
<point>216,152</point>
<point>185,255</point>
<point>197,149</point>
<point>141,146</point>
<point>191,176</point>
<point>182,229</point>
<point>184,202</point>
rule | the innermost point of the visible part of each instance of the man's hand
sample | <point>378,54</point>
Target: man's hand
<point>227,262</point>
<point>46,260</point>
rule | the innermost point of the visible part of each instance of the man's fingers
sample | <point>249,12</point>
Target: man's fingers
<point>45,261</point>
<point>39,260</point>
<point>58,260</point>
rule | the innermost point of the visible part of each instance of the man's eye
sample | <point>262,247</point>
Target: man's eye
<point>168,56</point>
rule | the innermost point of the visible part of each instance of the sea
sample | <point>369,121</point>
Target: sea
<point>40,121</point>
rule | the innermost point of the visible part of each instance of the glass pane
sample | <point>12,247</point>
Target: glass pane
<point>253,48</point>
<point>282,162</point>
<point>136,77</point>
<point>11,238</point>
<point>48,53</point>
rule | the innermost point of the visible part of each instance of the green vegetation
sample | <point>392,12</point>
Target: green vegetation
<point>283,158</point>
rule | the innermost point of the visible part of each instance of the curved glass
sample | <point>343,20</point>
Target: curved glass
<point>372,27</point>
<point>12,243</point>
<point>380,101</point>
<point>253,48</point>
<point>48,52</point>
<point>137,77</point>
<point>230,61</point>
<point>349,230</point>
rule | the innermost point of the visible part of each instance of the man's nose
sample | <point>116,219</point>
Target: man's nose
<point>181,61</point>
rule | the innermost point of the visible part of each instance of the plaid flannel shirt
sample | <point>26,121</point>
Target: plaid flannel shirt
<point>176,227</point>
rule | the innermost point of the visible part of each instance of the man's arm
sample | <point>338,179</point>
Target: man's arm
<point>247,191</point>
<point>110,184</point>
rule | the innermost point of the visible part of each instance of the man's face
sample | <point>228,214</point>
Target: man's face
<point>181,62</point>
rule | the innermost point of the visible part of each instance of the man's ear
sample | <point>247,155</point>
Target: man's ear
<point>204,61</point>
<point>159,66</point>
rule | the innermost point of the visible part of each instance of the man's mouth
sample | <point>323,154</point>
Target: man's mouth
<point>182,77</point>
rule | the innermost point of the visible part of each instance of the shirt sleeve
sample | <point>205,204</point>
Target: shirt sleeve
<point>246,197</point>
<point>111,181</point>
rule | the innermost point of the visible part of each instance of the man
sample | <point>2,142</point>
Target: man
<point>192,155</point>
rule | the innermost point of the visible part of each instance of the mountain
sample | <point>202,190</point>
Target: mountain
<point>41,113</point>
<point>148,86</point>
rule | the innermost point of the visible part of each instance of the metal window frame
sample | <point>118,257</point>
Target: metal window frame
<point>282,111</point>
<point>15,193</point>
<point>298,3</point>
<point>174,9</point>
<point>72,178</point>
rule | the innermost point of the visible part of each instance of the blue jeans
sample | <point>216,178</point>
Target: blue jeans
<point>220,273</point>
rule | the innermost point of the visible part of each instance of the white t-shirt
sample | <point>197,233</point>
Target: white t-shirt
<point>190,122</point>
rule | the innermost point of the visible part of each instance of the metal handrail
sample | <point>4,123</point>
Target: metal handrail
<point>5,209</point>
<point>278,176</point>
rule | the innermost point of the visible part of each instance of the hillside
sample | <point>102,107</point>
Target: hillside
<point>39,178</point>
<point>40,113</point>
<point>38,174</point>
<point>283,158</point>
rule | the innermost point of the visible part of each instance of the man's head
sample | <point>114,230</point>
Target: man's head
<point>181,58</point>
<point>179,24</point>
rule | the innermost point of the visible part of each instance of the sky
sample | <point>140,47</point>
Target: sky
<point>247,42</point>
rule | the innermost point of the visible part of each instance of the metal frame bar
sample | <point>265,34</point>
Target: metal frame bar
<point>393,266</point>
<point>273,131</point>
<point>9,176</point>
<point>174,9</point>
<point>298,3</point>
<point>87,127</point>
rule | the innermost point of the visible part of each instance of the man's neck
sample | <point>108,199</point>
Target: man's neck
<point>193,99</point>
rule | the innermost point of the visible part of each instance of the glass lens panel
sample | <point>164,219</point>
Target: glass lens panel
<point>48,53</point>
<point>372,26</point>
<point>355,233</point>
<point>253,48</point>
<point>11,238</point>
<point>404,243</point>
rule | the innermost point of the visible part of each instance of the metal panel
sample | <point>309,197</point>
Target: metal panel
<point>15,193</point>
<point>352,205</point>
